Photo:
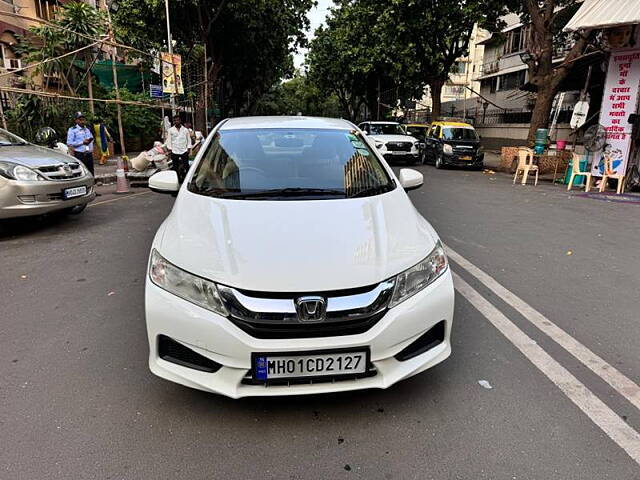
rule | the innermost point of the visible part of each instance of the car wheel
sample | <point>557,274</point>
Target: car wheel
<point>75,210</point>
<point>439,162</point>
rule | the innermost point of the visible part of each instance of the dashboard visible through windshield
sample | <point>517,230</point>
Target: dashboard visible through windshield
<point>289,164</point>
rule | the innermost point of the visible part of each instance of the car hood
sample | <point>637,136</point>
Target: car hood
<point>393,138</point>
<point>295,246</point>
<point>33,155</point>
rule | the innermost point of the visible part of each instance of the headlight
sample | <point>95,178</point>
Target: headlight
<point>448,149</point>
<point>19,172</point>
<point>191,288</point>
<point>411,281</point>
<point>379,145</point>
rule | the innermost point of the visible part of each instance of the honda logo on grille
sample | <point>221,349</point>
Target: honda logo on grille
<point>311,309</point>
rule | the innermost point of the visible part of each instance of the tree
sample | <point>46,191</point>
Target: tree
<point>373,46</point>
<point>249,42</point>
<point>298,95</point>
<point>547,18</point>
<point>68,32</point>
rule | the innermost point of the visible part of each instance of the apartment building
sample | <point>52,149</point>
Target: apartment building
<point>503,73</point>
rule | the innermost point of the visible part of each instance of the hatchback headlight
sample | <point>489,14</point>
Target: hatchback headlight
<point>191,288</point>
<point>19,172</point>
<point>379,145</point>
<point>448,149</point>
<point>418,277</point>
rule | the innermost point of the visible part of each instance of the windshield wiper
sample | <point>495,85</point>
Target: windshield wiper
<point>286,192</point>
<point>366,192</point>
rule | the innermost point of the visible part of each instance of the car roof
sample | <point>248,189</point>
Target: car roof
<point>453,124</point>
<point>381,123</point>
<point>417,125</point>
<point>286,122</point>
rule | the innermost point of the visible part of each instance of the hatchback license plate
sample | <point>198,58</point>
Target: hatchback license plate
<point>466,157</point>
<point>268,366</point>
<point>72,192</point>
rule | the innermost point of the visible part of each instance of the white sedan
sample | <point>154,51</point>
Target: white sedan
<point>293,262</point>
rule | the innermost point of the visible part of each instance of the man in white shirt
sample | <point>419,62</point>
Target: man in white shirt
<point>179,145</point>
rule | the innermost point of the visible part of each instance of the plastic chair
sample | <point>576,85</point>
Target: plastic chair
<point>525,165</point>
<point>575,172</point>
<point>609,172</point>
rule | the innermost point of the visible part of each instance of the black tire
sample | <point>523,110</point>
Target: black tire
<point>77,210</point>
<point>439,162</point>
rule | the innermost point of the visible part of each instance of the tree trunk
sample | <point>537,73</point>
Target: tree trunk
<point>541,111</point>
<point>436,98</point>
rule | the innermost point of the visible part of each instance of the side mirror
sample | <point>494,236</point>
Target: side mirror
<point>410,179</point>
<point>422,145</point>
<point>164,182</point>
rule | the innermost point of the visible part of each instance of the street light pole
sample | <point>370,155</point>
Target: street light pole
<point>172,96</point>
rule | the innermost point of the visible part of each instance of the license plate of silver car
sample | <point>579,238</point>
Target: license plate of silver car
<point>274,366</point>
<point>72,192</point>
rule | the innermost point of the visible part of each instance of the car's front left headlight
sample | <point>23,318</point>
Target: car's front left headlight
<point>185,285</point>
<point>418,277</point>
<point>14,171</point>
<point>448,149</point>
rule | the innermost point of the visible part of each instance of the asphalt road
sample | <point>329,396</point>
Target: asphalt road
<point>78,402</point>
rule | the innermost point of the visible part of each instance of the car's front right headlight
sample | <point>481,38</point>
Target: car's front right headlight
<point>418,277</point>
<point>448,149</point>
<point>185,285</point>
<point>14,171</point>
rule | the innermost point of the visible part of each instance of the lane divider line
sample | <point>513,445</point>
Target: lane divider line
<point>607,372</point>
<point>116,199</point>
<point>599,413</point>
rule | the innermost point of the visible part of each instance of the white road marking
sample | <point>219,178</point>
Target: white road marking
<point>95,204</point>
<point>605,418</point>
<point>607,372</point>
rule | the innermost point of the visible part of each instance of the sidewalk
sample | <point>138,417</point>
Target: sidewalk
<point>106,174</point>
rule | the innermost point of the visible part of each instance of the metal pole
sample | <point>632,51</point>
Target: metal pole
<point>115,82</point>
<point>206,92</point>
<point>378,115</point>
<point>172,96</point>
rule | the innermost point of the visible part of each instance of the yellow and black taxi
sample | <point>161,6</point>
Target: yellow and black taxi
<point>451,143</point>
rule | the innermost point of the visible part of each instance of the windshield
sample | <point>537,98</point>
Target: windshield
<point>386,129</point>
<point>418,132</point>
<point>459,133</point>
<point>7,138</point>
<point>292,163</point>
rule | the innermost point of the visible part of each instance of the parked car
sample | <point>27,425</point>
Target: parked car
<point>420,132</point>
<point>392,141</point>
<point>35,180</point>
<point>453,144</point>
<point>293,262</point>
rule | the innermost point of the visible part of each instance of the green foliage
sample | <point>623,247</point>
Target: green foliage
<point>402,45</point>
<point>46,41</point>
<point>249,41</point>
<point>298,95</point>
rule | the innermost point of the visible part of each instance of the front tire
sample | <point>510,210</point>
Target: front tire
<point>439,162</point>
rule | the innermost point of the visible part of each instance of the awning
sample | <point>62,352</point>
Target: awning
<point>604,14</point>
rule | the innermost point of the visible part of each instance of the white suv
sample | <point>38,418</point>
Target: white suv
<point>392,141</point>
<point>293,262</point>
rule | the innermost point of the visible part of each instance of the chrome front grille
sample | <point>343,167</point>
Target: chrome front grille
<point>348,312</point>
<point>61,171</point>
<point>399,146</point>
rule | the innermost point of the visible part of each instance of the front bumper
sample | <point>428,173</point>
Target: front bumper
<point>409,156</point>
<point>21,199</point>
<point>457,161</point>
<point>216,338</point>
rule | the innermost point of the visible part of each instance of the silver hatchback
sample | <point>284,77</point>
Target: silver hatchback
<point>35,180</point>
